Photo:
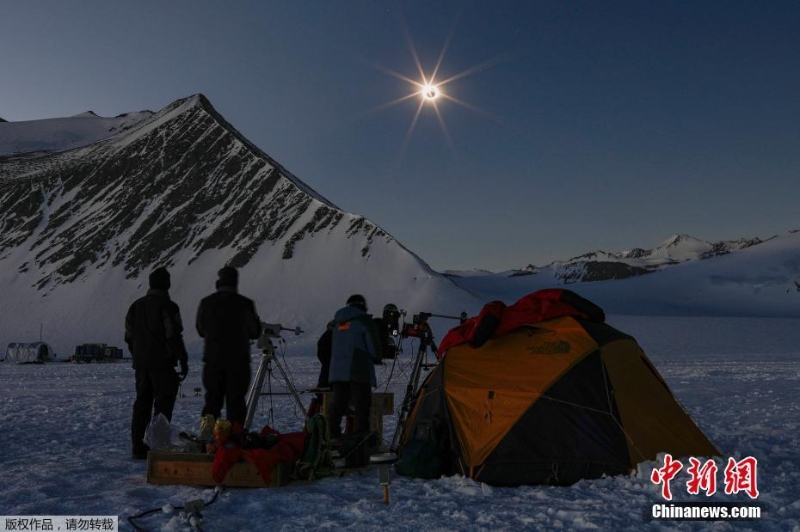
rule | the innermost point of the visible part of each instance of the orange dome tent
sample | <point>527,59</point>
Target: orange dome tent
<point>543,392</point>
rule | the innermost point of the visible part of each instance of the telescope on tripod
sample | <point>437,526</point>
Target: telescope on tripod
<point>418,328</point>
<point>264,373</point>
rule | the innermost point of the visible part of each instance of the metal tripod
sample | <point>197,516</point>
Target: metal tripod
<point>264,376</point>
<point>420,363</point>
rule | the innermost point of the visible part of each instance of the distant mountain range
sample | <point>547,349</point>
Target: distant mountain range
<point>90,205</point>
<point>681,276</point>
<point>602,266</point>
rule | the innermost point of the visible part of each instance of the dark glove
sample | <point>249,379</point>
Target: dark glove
<point>184,370</point>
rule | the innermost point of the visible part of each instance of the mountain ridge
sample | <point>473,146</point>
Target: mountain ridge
<point>760,280</point>
<point>184,189</point>
<point>262,179</point>
<point>600,265</point>
<point>81,226</point>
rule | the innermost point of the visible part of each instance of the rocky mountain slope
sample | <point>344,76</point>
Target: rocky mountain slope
<point>82,228</point>
<point>90,205</point>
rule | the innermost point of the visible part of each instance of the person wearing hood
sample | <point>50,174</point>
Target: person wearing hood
<point>227,321</point>
<point>154,334</point>
<point>355,351</point>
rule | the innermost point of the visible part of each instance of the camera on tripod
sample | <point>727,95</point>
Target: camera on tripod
<point>273,330</point>
<point>418,328</point>
<point>389,329</point>
<point>263,376</point>
<point>391,319</point>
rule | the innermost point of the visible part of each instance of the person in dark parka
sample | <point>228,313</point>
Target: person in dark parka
<point>227,321</point>
<point>324,346</point>
<point>154,334</point>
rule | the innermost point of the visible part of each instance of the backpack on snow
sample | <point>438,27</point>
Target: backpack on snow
<point>316,461</point>
<point>421,457</point>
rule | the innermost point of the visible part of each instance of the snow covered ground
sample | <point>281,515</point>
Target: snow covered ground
<point>66,446</point>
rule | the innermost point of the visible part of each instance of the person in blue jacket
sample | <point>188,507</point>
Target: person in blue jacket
<point>354,353</point>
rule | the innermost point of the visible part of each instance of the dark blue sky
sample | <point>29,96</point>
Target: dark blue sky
<point>592,125</point>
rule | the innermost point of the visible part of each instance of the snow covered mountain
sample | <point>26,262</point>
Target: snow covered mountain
<point>89,206</point>
<point>38,137</point>
<point>602,265</point>
<point>680,248</point>
<point>757,280</point>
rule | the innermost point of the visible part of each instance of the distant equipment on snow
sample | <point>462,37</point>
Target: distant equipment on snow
<point>96,353</point>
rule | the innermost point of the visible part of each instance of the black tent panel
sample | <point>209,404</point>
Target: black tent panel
<point>571,432</point>
<point>428,410</point>
<point>603,333</point>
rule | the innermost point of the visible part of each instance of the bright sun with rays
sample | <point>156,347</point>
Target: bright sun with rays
<point>430,90</point>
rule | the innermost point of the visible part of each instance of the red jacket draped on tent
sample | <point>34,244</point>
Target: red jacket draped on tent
<point>497,319</point>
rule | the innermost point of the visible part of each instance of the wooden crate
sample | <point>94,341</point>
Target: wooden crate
<point>382,405</point>
<point>194,469</point>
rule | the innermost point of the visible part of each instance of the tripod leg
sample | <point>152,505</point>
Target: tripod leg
<point>255,391</point>
<point>291,387</point>
<point>410,391</point>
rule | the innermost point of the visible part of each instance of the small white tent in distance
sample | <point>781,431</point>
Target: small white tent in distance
<point>33,353</point>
